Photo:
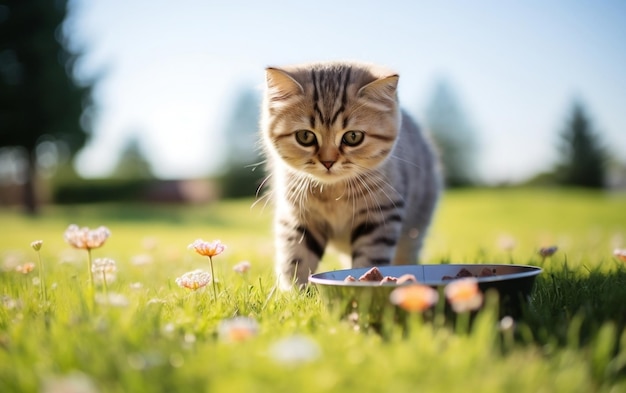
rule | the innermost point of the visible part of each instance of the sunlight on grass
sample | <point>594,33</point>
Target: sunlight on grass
<point>147,332</point>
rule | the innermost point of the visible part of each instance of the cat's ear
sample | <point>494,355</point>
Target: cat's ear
<point>280,85</point>
<point>381,92</point>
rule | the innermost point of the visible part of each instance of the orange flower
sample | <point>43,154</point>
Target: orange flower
<point>238,329</point>
<point>464,295</point>
<point>620,254</point>
<point>25,268</point>
<point>85,238</point>
<point>414,297</point>
<point>208,249</point>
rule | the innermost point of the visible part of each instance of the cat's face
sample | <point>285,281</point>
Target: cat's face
<point>330,121</point>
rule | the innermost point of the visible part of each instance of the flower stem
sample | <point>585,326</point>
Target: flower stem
<point>91,283</point>
<point>41,280</point>
<point>104,286</point>
<point>463,322</point>
<point>213,278</point>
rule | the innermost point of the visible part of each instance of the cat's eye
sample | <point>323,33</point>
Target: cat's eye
<point>306,138</point>
<point>353,138</point>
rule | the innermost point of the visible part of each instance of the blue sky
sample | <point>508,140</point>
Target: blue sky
<point>173,69</point>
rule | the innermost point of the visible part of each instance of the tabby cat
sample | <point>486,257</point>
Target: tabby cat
<point>347,168</point>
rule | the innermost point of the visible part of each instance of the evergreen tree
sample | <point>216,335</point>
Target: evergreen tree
<point>243,172</point>
<point>38,96</point>
<point>582,157</point>
<point>132,163</point>
<point>453,136</point>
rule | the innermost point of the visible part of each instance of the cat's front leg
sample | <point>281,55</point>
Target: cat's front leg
<point>299,249</point>
<point>375,243</point>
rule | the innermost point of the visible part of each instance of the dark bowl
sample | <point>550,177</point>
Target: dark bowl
<point>370,300</point>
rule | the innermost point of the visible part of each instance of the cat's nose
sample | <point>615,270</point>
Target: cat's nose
<point>328,164</point>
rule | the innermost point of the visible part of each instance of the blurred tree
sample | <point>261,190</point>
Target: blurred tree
<point>583,160</point>
<point>39,99</point>
<point>132,163</point>
<point>453,136</point>
<point>242,173</point>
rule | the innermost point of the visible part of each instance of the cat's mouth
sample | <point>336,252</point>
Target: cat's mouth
<point>329,174</point>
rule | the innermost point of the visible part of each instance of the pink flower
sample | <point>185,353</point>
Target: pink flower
<point>414,298</point>
<point>242,267</point>
<point>208,249</point>
<point>194,280</point>
<point>547,251</point>
<point>506,242</point>
<point>85,238</point>
<point>25,268</point>
<point>464,295</point>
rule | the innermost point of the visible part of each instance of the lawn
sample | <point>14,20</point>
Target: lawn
<point>141,332</point>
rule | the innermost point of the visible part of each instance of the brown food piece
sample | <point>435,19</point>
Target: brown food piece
<point>486,272</point>
<point>388,279</point>
<point>375,275</point>
<point>406,278</point>
<point>372,275</point>
<point>464,273</point>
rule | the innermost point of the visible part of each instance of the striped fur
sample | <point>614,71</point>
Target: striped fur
<point>372,199</point>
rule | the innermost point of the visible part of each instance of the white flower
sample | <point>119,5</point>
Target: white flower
<point>36,245</point>
<point>112,299</point>
<point>75,382</point>
<point>104,265</point>
<point>295,349</point>
<point>194,279</point>
<point>242,267</point>
<point>136,285</point>
<point>86,238</point>
<point>142,259</point>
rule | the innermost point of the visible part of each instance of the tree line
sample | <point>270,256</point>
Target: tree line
<point>582,157</point>
<point>44,109</point>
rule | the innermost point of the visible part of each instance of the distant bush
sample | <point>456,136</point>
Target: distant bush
<point>100,190</point>
<point>240,182</point>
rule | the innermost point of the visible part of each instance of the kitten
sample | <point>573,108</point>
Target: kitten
<point>347,168</point>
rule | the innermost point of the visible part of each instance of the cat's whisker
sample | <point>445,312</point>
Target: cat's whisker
<point>378,180</point>
<point>366,187</point>
<point>351,196</point>
<point>260,187</point>
<point>414,165</point>
<point>267,197</point>
<point>255,165</point>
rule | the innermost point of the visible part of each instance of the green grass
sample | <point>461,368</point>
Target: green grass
<point>166,339</point>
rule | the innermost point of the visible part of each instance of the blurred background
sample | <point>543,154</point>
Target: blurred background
<point>158,101</point>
